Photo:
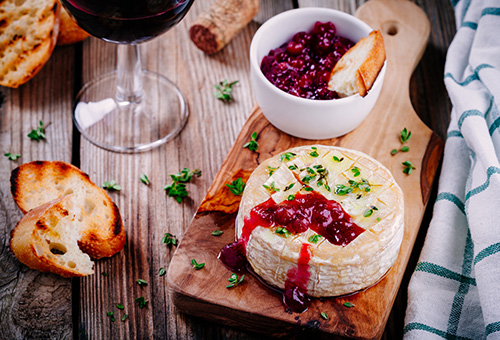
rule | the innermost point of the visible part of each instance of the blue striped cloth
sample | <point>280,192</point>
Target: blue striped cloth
<point>454,292</point>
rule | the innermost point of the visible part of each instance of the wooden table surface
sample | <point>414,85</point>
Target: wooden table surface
<point>36,305</point>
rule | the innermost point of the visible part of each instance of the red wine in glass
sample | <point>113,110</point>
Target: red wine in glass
<point>132,109</point>
<point>127,21</point>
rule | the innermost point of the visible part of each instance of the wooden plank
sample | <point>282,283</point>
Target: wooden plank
<point>430,101</point>
<point>269,8</point>
<point>254,307</point>
<point>214,127</point>
<point>147,212</point>
<point>348,6</point>
<point>27,296</point>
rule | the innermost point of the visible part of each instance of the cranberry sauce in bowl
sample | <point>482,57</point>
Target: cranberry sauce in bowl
<point>290,108</point>
<point>302,66</point>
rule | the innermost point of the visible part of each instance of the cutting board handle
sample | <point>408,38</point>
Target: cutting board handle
<point>405,28</point>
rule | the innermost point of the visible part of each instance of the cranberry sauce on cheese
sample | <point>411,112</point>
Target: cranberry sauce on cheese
<point>317,221</point>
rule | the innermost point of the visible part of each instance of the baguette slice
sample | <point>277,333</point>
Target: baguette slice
<point>69,31</point>
<point>358,68</point>
<point>28,35</point>
<point>46,238</point>
<point>36,183</point>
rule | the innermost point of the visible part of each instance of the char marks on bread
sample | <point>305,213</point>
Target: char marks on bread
<point>28,35</point>
<point>358,68</point>
<point>63,207</point>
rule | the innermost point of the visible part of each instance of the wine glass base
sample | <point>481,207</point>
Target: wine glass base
<point>130,126</point>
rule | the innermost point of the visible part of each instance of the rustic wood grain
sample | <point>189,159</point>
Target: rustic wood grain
<point>27,296</point>
<point>268,8</point>
<point>255,307</point>
<point>210,132</point>
<point>147,212</point>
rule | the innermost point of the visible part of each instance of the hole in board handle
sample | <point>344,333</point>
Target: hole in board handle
<point>391,28</point>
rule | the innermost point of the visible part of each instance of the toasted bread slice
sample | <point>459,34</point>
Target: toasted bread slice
<point>46,238</point>
<point>36,183</point>
<point>69,31</point>
<point>358,68</point>
<point>28,35</point>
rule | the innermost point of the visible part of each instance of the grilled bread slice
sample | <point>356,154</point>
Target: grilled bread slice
<point>36,183</point>
<point>46,238</point>
<point>358,68</point>
<point>28,35</point>
<point>69,31</point>
<point>365,190</point>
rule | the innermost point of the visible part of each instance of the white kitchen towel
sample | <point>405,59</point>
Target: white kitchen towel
<point>454,292</point>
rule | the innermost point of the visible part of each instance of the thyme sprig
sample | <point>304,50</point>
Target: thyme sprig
<point>237,186</point>
<point>12,156</point>
<point>177,189</point>
<point>38,133</point>
<point>271,188</point>
<point>224,90</point>
<point>404,137</point>
<point>141,301</point>
<point>234,280</point>
<point>169,239</point>
<point>252,145</point>
<point>285,157</point>
<point>408,167</point>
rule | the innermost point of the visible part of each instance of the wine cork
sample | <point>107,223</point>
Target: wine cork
<point>214,29</point>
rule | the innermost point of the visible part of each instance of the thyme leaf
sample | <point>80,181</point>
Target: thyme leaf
<point>282,231</point>
<point>111,185</point>
<point>144,179</point>
<point>314,238</point>
<point>196,265</point>
<point>342,190</point>
<point>142,282</point>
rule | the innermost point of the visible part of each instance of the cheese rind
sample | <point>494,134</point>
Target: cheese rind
<point>373,200</point>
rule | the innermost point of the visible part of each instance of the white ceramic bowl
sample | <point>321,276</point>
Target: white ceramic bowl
<point>300,117</point>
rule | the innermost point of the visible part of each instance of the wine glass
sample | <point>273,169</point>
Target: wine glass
<point>129,110</point>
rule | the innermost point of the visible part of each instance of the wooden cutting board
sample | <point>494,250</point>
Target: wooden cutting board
<point>252,305</point>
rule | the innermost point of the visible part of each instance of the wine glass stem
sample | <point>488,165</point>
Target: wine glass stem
<point>129,75</point>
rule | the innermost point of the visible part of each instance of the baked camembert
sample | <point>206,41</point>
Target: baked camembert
<point>320,221</point>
